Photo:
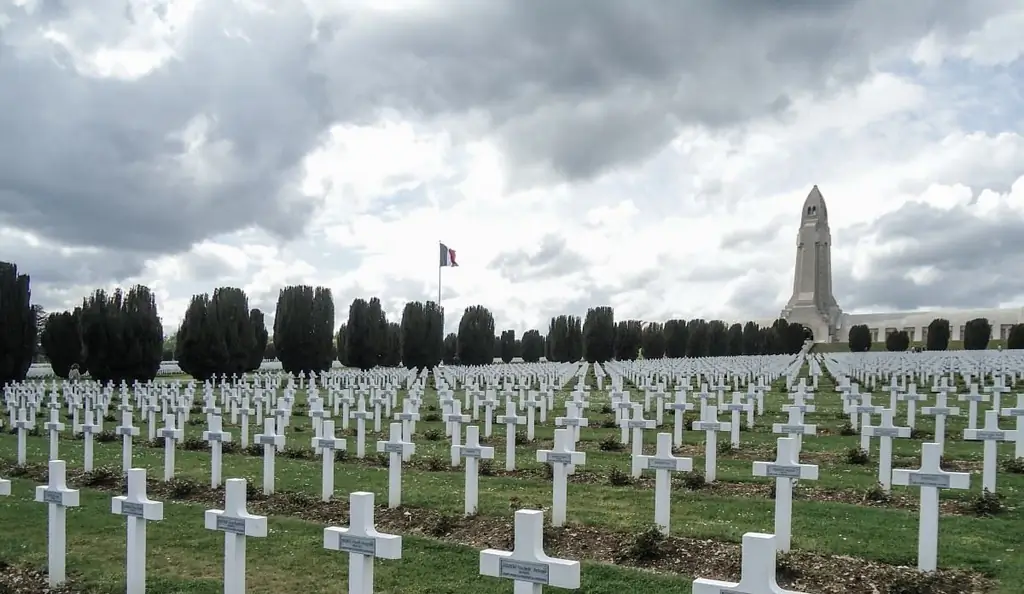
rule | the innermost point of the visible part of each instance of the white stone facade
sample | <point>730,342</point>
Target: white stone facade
<point>813,304</point>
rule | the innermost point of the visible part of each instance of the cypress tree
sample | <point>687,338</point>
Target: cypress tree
<point>507,343</point>
<point>653,341</point>
<point>304,329</point>
<point>451,349</point>
<point>62,342</point>
<point>259,347</point>
<point>476,336</point>
<point>232,322</point>
<point>599,334</point>
<point>938,335</point>
<point>18,325</point>
<point>532,346</point>
<point>200,350</point>
<point>341,346</point>
<point>122,335</point>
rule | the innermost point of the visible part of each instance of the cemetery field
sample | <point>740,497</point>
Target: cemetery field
<point>609,512</point>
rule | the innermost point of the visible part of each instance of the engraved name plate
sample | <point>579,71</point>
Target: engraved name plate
<point>661,464</point>
<point>524,571</point>
<point>53,497</point>
<point>129,508</point>
<point>558,458</point>
<point>887,432</point>
<point>265,439</point>
<point>393,448</point>
<point>214,437</point>
<point>990,435</point>
<point>232,525</point>
<point>360,545</point>
<point>929,480</point>
<point>471,452</point>
<point>779,471</point>
<point>793,428</point>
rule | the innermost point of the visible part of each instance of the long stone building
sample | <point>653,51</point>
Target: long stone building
<point>813,304</point>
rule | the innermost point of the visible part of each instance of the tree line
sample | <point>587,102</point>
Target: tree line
<point>118,336</point>
<point>976,336</point>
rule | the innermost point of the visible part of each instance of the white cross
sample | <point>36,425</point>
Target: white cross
<point>54,427</point>
<point>560,458</point>
<point>885,432</point>
<point>930,478</point>
<point>912,398</point>
<point>865,409</point>
<point>59,497</point>
<point>127,431</point>
<point>472,452</point>
<point>510,420</point>
<point>757,572</point>
<point>940,411</point>
<point>397,450</point>
<point>711,426</point>
<point>360,415</point>
<point>215,436</point>
<point>678,408</point>
<point>795,427</point>
<point>270,440</point>
<point>455,420</point>
<point>527,564</point>
<point>237,524</point>
<point>663,462</point>
<point>735,408</point>
<point>1018,411</point>
<point>991,435</point>
<point>171,436</point>
<point>637,424</point>
<point>408,417</point>
<point>972,398</point>
<point>785,470</point>
<point>328,444</point>
<point>139,509</point>
<point>362,542</point>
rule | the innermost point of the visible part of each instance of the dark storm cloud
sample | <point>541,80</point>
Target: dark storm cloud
<point>93,161</point>
<point>553,258</point>
<point>977,261</point>
<point>579,86</point>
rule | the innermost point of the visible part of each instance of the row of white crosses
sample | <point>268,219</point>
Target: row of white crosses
<point>526,565</point>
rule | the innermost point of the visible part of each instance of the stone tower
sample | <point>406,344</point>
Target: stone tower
<point>812,303</point>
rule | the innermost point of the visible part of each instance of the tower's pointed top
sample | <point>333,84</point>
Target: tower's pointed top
<point>814,205</point>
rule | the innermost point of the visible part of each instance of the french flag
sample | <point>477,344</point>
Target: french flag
<point>447,256</point>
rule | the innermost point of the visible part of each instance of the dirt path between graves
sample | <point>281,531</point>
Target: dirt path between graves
<point>692,557</point>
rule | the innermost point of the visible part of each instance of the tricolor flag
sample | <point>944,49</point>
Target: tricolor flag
<point>447,256</point>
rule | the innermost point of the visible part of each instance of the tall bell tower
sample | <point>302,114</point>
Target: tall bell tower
<point>812,303</point>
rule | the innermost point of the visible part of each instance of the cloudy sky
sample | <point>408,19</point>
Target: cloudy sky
<point>651,155</point>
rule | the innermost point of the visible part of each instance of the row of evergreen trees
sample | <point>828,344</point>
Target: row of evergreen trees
<point>976,336</point>
<point>119,337</point>
<point>114,336</point>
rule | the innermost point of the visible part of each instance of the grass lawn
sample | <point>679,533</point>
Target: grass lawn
<point>609,513</point>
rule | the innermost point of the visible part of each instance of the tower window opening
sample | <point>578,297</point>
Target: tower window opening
<point>812,210</point>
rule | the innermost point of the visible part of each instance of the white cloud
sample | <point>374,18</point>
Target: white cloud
<point>393,182</point>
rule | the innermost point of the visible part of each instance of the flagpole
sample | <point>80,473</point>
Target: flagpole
<point>439,275</point>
